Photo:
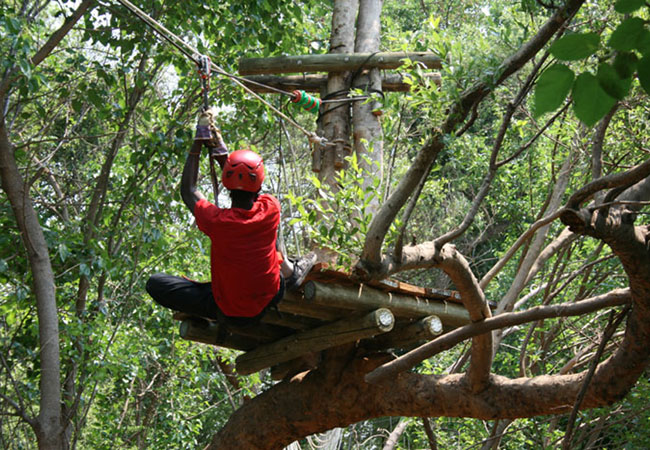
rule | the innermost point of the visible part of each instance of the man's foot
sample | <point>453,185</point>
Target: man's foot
<point>301,269</point>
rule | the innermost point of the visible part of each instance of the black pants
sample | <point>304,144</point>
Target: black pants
<point>192,297</point>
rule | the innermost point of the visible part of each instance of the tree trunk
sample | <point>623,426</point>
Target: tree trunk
<point>367,132</point>
<point>49,425</point>
<point>393,437</point>
<point>335,119</point>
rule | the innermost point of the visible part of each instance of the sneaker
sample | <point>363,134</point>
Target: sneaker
<point>301,269</point>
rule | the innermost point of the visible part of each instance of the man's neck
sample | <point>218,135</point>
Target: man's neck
<point>243,205</point>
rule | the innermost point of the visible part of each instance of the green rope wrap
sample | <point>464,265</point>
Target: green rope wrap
<point>306,101</point>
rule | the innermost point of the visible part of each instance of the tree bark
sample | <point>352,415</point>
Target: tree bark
<point>335,118</point>
<point>49,425</point>
<point>367,131</point>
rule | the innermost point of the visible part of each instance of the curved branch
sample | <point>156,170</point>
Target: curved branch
<point>513,249</point>
<point>471,214</point>
<point>627,178</point>
<point>350,399</point>
<point>458,270</point>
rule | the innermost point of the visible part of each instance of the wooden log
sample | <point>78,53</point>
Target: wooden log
<point>207,332</point>
<point>263,332</point>
<point>334,62</point>
<point>303,309</point>
<point>344,331</point>
<point>365,298</point>
<point>404,336</point>
<point>392,82</point>
<point>289,320</point>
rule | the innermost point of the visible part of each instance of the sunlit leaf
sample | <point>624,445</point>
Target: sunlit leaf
<point>552,88</point>
<point>575,46</point>
<point>590,101</point>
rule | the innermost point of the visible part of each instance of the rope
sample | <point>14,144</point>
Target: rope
<point>195,57</point>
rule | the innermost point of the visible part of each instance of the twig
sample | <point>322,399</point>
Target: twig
<point>609,331</point>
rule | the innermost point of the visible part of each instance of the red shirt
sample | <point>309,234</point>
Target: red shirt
<point>244,262</point>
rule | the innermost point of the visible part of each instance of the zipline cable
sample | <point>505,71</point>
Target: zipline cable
<point>194,56</point>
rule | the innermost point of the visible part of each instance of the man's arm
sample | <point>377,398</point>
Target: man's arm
<point>189,193</point>
<point>208,135</point>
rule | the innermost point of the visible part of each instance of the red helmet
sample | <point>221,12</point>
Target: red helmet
<point>244,170</point>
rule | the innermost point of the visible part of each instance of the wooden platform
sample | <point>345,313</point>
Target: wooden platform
<point>329,310</point>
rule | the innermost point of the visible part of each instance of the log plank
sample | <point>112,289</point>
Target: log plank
<point>330,335</point>
<point>334,62</point>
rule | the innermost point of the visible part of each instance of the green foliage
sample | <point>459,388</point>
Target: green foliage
<point>593,96</point>
<point>628,6</point>
<point>338,219</point>
<point>137,384</point>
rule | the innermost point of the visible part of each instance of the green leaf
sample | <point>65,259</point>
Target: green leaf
<point>626,36</point>
<point>628,6</point>
<point>625,64</point>
<point>643,69</point>
<point>84,269</point>
<point>575,46</point>
<point>643,45</point>
<point>590,101</point>
<point>553,86</point>
<point>25,67</point>
<point>612,83</point>
<point>63,252</point>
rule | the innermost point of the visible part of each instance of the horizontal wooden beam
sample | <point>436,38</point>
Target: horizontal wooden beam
<point>303,309</point>
<point>390,82</point>
<point>333,334</point>
<point>207,332</point>
<point>334,62</point>
<point>288,320</point>
<point>365,298</point>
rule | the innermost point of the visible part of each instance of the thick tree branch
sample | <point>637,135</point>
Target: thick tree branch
<point>350,399</point>
<point>457,268</point>
<point>33,238</point>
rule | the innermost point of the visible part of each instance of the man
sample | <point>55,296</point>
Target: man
<point>248,273</point>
